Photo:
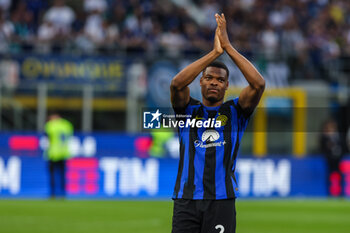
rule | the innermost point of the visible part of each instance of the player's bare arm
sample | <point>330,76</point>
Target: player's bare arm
<point>250,95</point>
<point>179,90</point>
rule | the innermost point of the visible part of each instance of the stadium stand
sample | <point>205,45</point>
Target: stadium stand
<point>309,33</point>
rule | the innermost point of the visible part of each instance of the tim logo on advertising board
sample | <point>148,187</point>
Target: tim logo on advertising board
<point>151,120</point>
<point>112,176</point>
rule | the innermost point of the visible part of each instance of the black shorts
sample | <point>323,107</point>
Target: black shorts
<point>204,216</point>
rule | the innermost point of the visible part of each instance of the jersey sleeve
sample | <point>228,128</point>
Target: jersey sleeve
<point>240,111</point>
<point>242,117</point>
<point>186,109</point>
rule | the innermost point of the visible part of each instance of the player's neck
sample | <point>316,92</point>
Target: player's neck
<point>208,103</point>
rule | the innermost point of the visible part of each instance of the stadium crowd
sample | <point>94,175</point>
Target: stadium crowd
<point>304,31</point>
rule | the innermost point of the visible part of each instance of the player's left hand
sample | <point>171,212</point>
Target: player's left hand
<point>222,30</point>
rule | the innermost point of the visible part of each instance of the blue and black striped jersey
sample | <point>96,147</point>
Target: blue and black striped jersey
<point>208,154</point>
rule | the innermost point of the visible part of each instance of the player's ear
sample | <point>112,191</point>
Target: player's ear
<point>227,84</point>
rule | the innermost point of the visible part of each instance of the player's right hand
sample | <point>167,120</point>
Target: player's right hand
<point>217,44</point>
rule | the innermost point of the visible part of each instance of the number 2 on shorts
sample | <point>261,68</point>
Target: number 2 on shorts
<point>221,227</point>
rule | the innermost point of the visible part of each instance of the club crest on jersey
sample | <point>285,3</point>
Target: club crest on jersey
<point>223,119</point>
<point>209,138</point>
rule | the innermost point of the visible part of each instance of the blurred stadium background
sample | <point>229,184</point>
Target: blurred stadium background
<point>101,62</point>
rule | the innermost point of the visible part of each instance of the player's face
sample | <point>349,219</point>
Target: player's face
<point>214,83</point>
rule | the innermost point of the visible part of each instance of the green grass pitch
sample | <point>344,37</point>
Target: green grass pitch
<point>253,216</point>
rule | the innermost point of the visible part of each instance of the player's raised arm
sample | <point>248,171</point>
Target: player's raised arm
<point>179,90</point>
<point>250,96</point>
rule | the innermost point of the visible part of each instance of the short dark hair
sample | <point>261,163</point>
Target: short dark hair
<point>218,64</point>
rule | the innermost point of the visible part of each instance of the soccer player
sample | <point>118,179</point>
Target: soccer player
<point>205,189</point>
<point>58,131</point>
